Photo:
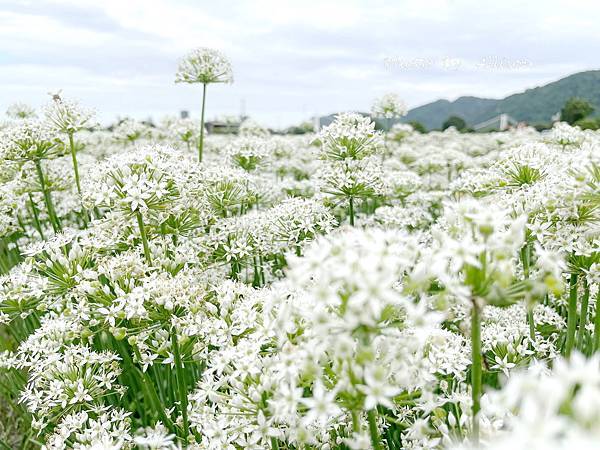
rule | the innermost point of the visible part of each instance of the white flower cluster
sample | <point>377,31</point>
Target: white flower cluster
<point>250,127</point>
<point>249,152</point>
<point>28,139</point>
<point>367,334</point>
<point>67,116</point>
<point>20,111</point>
<point>204,65</point>
<point>389,106</point>
<point>129,131</point>
<point>329,291</point>
<point>142,181</point>
<point>350,136</point>
<point>550,408</point>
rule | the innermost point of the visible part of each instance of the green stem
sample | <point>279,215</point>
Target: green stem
<point>274,444</point>
<point>583,313</point>
<point>77,180</point>
<point>36,217</point>
<point>159,383</point>
<point>201,143</point>
<point>47,197</point>
<point>351,210</point>
<point>597,324</point>
<point>128,375</point>
<point>531,322</point>
<point>152,396</point>
<point>373,431</point>
<point>21,224</point>
<point>135,379</point>
<point>75,165</point>
<point>385,140</point>
<point>525,260</point>
<point>262,270</point>
<point>181,381</point>
<point>476,368</point>
<point>140,222</point>
<point>256,281</point>
<point>355,421</point>
<point>571,315</point>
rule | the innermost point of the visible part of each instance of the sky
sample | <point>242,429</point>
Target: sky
<point>291,59</point>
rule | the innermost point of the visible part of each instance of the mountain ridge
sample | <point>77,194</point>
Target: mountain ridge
<point>533,105</point>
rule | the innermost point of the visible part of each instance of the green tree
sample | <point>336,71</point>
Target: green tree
<point>418,126</point>
<point>576,109</point>
<point>303,128</point>
<point>589,123</point>
<point>542,126</point>
<point>456,122</point>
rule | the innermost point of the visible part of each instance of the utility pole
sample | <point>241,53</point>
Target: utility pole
<point>242,109</point>
<point>503,122</point>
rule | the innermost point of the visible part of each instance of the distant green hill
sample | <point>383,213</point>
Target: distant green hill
<point>535,105</point>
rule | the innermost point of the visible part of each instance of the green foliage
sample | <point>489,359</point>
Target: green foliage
<point>456,122</point>
<point>418,126</point>
<point>303,128</point>
<point>576,109</point>
<point>542,126</point>
<point>589,123</point>
<point>522,175</point>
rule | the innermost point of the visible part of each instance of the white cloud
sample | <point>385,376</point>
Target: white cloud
<point>291,58</point>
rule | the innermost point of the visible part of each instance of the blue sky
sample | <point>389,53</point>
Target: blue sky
<point>291,59</point>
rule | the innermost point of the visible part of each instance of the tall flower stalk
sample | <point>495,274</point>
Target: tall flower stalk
<point>68,117</point>
<point>201,140</point>
<point>583,313</point>
<point>206,66</point>
<point>350,173</point>
<point>32,141</point>
<point>36,216</point>
<point>571,314</point>
<point>479,245</point>
<point>388,107</point>
<point>144,236</point>
<point>596,340</point>
<point>54,221</point>
<point>181,381</point>
<point>476,368</point>
<point>373,429</point>
<point>75,164</point>
<point>526,262</point>
<point>139,187</point>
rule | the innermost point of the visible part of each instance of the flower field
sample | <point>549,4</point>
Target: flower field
<point>164,288</point>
